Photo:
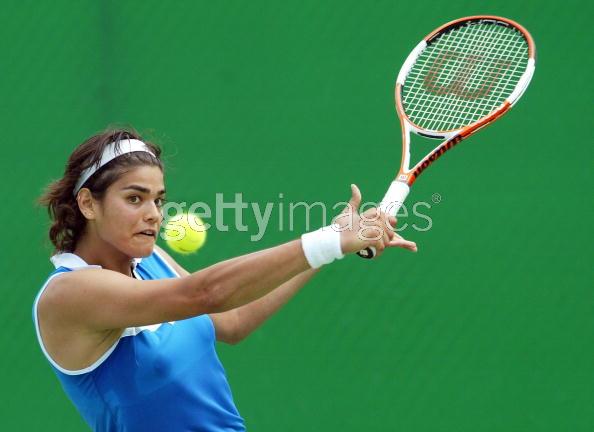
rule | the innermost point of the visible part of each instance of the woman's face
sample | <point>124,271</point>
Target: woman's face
<point>130,216</point>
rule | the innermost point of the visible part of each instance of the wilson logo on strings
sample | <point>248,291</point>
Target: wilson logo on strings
<point>464,82</point>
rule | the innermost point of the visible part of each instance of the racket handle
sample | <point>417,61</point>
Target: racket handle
<point>393,200</point>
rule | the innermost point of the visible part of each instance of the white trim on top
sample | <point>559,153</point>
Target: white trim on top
<point>71,261</point>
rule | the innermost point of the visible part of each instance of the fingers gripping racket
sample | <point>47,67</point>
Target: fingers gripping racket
<point>460,78</point>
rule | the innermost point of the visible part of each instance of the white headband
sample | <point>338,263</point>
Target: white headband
<point>109,154</point>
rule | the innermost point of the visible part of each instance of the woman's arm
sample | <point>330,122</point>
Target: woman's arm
<point>98,299</point>
<point>235,325</point>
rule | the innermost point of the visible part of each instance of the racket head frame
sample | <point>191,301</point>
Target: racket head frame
<point>407,174</point>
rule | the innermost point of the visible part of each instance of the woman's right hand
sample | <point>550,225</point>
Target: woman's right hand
<point>372,228</point>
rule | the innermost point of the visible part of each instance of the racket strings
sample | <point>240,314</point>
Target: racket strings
<point>464,75</point>
<point>461,73</point>
<point>474,80</point>
<point>458,75</point>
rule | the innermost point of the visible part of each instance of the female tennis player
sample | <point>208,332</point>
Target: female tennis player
<point>130,333</point>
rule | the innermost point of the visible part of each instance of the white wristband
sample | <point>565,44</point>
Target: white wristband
<point>322,246</point>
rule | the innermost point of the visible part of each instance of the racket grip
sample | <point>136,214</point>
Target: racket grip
<point>367,253</point>
<point>393,200</point>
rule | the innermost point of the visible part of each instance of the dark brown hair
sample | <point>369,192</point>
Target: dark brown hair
<point>68,223</point>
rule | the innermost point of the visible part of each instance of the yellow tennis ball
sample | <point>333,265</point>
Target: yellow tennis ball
<point>185,235</point>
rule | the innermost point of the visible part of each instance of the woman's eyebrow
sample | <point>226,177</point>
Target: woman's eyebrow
<point>142,189</point>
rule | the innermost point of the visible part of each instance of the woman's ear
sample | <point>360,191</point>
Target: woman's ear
<point>86,204</point>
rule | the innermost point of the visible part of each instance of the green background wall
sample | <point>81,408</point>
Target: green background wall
<point>488,328</point>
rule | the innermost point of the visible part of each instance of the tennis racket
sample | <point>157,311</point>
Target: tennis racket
<point>463,76</point>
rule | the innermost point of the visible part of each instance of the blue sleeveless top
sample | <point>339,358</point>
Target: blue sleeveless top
<point>163,377</point>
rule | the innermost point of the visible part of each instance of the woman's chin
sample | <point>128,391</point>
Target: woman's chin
<point>145,251</point>
<point>142,249</point>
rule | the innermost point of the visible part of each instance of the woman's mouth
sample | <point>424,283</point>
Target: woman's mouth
<point>148,233</point>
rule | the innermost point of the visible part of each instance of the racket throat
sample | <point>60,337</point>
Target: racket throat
<point>433,156</point>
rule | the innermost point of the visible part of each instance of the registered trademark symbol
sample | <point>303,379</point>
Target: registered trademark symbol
<point>436,198</point>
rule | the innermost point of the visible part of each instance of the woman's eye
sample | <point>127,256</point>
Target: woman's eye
<point>159,202</point>
<point>134,199</point>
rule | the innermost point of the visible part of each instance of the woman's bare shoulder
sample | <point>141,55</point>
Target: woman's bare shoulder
<point>69,341</point>
<point>64,286</point>
<point>77,278</point>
